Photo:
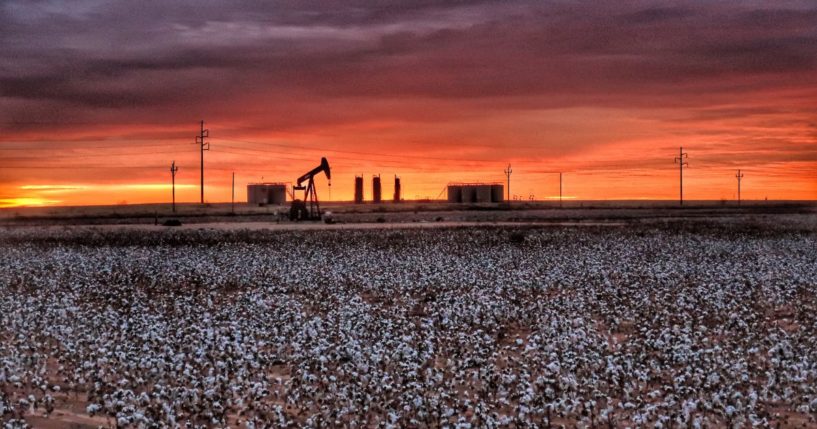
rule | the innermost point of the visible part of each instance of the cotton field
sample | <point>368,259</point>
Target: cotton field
<point>475,327</point>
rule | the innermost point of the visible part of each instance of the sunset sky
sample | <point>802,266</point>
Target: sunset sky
<point>98,97</point>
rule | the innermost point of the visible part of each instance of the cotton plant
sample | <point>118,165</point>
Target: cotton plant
<point>422,328</point>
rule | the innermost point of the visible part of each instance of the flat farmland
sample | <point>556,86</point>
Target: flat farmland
<point>668,323</point>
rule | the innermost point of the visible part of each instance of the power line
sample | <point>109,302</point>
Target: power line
<point>289,155</point>
<point>173,170</point>
<point>203,145</point>
<point>355,158</point>
<point>358,155</point>
<point>739,176</point>
<point>560,190</point>
<point>508,172</point>
<point>81,167</point>
<point>681,163</point>
<point>85,147</point>
<point>134,138</point>
<point>89,155</point>
<point>294,146</point>
<point>370,154</point>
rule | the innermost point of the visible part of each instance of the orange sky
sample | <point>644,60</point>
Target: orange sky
<point>93,113</point>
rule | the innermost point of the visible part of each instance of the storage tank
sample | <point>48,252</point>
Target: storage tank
<point>358,189</point>
<point>277,194</point>
<point>376,191</point>
<point>266,193</point>
<point>482,193</point>
<point>469,194</point>
<point>255,194</point>
<point>396,189</point>
<point>497,193</point>
<point>454,193</point>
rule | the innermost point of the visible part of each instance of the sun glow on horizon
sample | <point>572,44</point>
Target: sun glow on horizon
<point>27,202</point>
<point>436,93</point>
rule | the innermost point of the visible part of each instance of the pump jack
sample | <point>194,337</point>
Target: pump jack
<point>300,210</point>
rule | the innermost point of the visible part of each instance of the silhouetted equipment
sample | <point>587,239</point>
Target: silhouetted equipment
<point>376,190</point>
<point>497,193</point>
<point>454,193</point>
<point>309,208</point>
<point>173,170</point>
<point>508,172</point>
<point>358,189</point>
<point>475,193</point>
<point>396,189</point>
<point>266,193</point>
<point>469,194</point>
<point>560,189</point>
<point>680,160</point>
<point>200,140</point>
<point>739,176</point>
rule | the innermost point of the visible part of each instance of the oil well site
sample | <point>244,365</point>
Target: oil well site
<point>411,314</point>
<point>468,311</point>
<point>471,310</point>
<point>388,214</point>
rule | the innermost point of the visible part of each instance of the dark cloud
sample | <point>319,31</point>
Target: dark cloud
<point>658,14</point>
<point>97,56</point>
<point>76,94</point>
<point>760,55</point>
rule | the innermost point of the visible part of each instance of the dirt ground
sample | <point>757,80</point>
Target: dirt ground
<point>70,411</point>
<point>439,213</point>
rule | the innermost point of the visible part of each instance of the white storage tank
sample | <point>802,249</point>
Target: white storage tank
<point>267,193</point>
<point>475,193</point>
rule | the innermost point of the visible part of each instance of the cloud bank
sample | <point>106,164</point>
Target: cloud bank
<point>556,81</point>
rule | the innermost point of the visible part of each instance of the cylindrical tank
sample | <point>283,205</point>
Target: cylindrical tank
<point>277,194</point>
<point>376,190</point>
<point>482,193</point>
<point>266,193</point>
<point>497,193</point>
<point>396,189</point>
<point>454,193</point>
<point>469,194</point>
<point>255,194</point>
<point>358,189</point>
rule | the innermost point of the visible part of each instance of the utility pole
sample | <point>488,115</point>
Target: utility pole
<point>560,190</point>
<point>200,140</point>
<point>739,176</point>
<point>232,209</point>
<point>681,164</point>
<point>173,170</point>
<point>508,172</point>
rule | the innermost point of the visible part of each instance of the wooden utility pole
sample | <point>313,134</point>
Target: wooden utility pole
<point>739,176</point>
<point>508,172</point>
<point>203,145</point>
<point>680,160</point>
<point>560,190</point>
<point>232,209</point>
<point>173,170</point>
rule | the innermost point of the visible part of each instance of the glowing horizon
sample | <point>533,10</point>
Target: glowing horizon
<point>432,92</point>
